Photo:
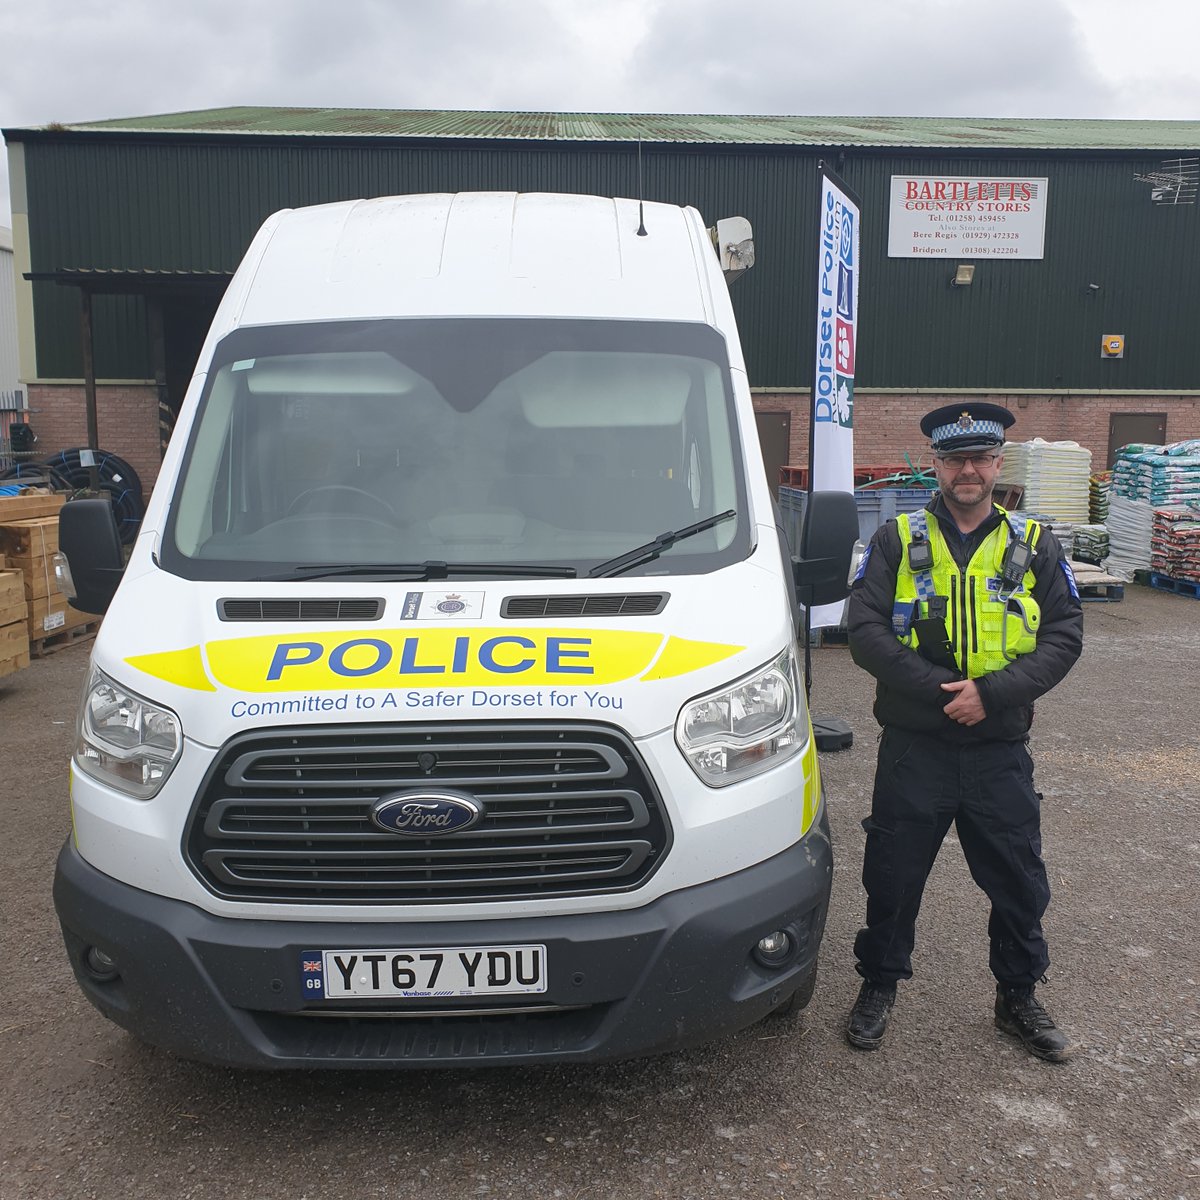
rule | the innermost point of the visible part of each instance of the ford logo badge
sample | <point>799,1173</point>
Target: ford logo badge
<point>426,814</point>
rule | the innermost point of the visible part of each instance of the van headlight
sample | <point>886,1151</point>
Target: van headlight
<point>748,727</point>
<point>125,741</point>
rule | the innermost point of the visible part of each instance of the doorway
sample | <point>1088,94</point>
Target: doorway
<point>775,438</point>
<point>1126,427</point>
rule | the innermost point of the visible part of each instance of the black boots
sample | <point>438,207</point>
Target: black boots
<point>869,1016</point>
<point>1019,1012</point>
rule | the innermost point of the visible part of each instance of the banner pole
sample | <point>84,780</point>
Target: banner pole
<point>832,402</point>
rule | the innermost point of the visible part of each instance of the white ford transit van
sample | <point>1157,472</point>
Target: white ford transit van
<point>448,710</point>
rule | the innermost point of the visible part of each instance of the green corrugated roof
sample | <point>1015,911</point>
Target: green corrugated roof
<point>931,132</point>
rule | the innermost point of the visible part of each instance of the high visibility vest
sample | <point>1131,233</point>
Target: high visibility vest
<point>987,624</point>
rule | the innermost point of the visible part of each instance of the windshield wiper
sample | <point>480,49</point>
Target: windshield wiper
<point>651,550</point>
<point>431,569</point>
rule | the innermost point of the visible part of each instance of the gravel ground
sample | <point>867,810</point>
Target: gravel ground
<point>948,1107</point>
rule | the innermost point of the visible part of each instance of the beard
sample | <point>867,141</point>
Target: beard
<point>967,492</point>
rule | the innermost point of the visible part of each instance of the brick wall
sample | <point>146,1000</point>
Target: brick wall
<point>126,419</point>
<point>886,425</point>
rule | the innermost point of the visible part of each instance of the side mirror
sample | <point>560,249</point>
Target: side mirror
<point>733,240</point>
<point>827,537</point>
<point>90,543</point>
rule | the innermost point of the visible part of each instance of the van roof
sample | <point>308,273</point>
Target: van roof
<point>480,254</point>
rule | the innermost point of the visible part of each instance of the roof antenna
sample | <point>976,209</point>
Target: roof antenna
<point>641,230</point>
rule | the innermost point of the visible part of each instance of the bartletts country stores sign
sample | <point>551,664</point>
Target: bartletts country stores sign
<point>964,216</point>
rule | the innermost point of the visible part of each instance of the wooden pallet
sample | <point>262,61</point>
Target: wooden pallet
<point>1102,591</point>
<point>1167,583</point>
<point>1094,583</point>
<point>60,639</point>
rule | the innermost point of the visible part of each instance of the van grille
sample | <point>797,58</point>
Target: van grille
<point>314,609</point>
<point>286,816</point>
<point>639,604</point>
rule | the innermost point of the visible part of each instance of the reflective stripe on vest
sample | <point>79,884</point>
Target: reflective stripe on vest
<point>987,629</point>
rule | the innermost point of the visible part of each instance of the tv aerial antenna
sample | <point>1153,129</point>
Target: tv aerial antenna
<point>1175,181</point>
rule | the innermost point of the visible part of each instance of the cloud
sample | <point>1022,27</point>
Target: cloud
<point>95,59</point>
<point>906,58</point>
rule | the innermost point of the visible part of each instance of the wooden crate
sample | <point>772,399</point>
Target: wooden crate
<point>30,545</point>
<point>52,614</point>
<point>29,537</point>
<point>14,648</point>
<point>13,607</point>
<point>32,504</point>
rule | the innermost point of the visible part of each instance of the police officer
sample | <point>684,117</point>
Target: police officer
<point>965,614</point>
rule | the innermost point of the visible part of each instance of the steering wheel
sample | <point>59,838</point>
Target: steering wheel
<point>324,498</point>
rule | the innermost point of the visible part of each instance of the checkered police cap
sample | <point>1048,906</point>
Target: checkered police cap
<point>954,428</point>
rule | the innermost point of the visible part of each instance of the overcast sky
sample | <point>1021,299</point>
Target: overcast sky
<point>93,59</point>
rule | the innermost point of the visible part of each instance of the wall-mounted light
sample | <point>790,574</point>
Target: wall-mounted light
<point>964,275</point>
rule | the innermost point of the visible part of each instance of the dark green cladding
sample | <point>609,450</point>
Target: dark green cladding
<point>192,203</point>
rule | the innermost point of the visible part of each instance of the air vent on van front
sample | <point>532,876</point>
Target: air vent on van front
<point>313,609</point>
<point>639,604</point>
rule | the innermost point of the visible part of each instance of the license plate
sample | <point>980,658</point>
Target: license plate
<point>424,974</point>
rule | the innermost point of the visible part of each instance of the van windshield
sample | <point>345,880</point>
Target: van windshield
<point>518,443</point>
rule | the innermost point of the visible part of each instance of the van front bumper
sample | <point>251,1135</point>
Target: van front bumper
<point>676,972</point>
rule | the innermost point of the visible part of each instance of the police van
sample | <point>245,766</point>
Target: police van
<point>448,709</point>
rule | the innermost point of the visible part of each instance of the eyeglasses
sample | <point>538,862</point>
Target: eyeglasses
<point>956,462</point>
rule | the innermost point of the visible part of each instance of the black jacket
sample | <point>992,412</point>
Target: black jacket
<point>908,694</point>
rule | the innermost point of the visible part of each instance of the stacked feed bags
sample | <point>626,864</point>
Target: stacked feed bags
<point>1055,476</point>
<point>1098,487</point>
<point>1091,543</point>
<point>1144,478</point>
<point>1130,524</point>
<point>1175,543</point>
<point>1164,475</point>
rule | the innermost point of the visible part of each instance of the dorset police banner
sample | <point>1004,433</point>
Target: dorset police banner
<point>831,452</point>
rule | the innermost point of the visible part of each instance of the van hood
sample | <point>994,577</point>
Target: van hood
<point>442,651</point>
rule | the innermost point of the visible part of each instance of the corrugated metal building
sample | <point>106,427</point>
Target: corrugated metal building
<point>147,218</point>
<point>12,396</point>
<point>9,373</point>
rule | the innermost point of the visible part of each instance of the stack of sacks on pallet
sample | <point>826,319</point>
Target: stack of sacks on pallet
<point>1098,497</point>
<point>1146,477</point>
<point>29,539</point>
<point>1055,476</point>
<point>1129,527</point>
<point>1175,543</point>
<point>1164,475</point>
<point>1091,544</point>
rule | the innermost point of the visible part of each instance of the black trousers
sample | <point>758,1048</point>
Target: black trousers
<point>922,785</point>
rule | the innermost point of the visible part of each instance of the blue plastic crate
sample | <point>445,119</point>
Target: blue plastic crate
<point>875,506</point>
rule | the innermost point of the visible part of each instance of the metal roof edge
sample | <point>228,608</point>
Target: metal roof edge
<point>916,134</point>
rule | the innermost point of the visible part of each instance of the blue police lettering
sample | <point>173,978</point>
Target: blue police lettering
<point>337,657</point>
<point>558,648</point>
<point>487,655</point>
<point>408,660</point>
<point>309,652</point>
<point>504,654</point>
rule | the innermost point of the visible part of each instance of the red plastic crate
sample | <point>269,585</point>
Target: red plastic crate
<point>797,477</point>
